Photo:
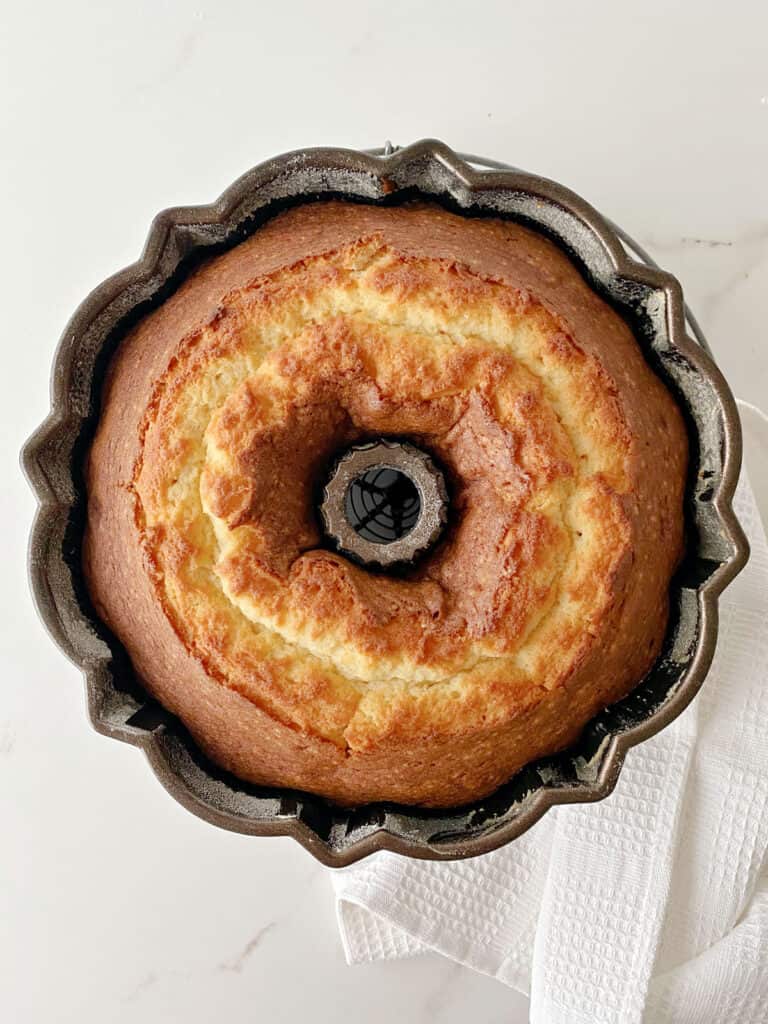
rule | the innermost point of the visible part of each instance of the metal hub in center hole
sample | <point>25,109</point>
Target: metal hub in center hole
<point>385,502</point>
<point>382,504</point>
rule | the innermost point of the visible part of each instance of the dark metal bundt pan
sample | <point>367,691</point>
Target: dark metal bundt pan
<point>650,300</point>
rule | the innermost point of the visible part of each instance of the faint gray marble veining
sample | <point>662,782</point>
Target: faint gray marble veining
<point>146,982</point>
<point>184,51</point>
<point>236,964</point>
<point>439,997</point>
<point>710,243</point>
<point>757,235</point>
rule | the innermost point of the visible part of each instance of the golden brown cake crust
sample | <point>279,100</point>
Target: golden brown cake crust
<point>546,601</point>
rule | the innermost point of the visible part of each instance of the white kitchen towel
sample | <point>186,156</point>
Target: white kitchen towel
<point>649,906</point>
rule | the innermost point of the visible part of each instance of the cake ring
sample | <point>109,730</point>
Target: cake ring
<point>538,597</point>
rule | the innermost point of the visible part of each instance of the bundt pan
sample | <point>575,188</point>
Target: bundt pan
<point>649,299</point>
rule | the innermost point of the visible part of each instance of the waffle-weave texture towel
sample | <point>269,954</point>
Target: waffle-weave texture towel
<point>651,906</point>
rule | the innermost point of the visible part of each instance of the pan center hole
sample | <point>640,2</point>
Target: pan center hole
<point>382,504</point>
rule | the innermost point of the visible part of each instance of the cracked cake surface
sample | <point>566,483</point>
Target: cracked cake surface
<point>545,600</point>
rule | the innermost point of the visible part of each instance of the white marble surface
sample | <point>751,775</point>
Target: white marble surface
<point>115,904</point>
